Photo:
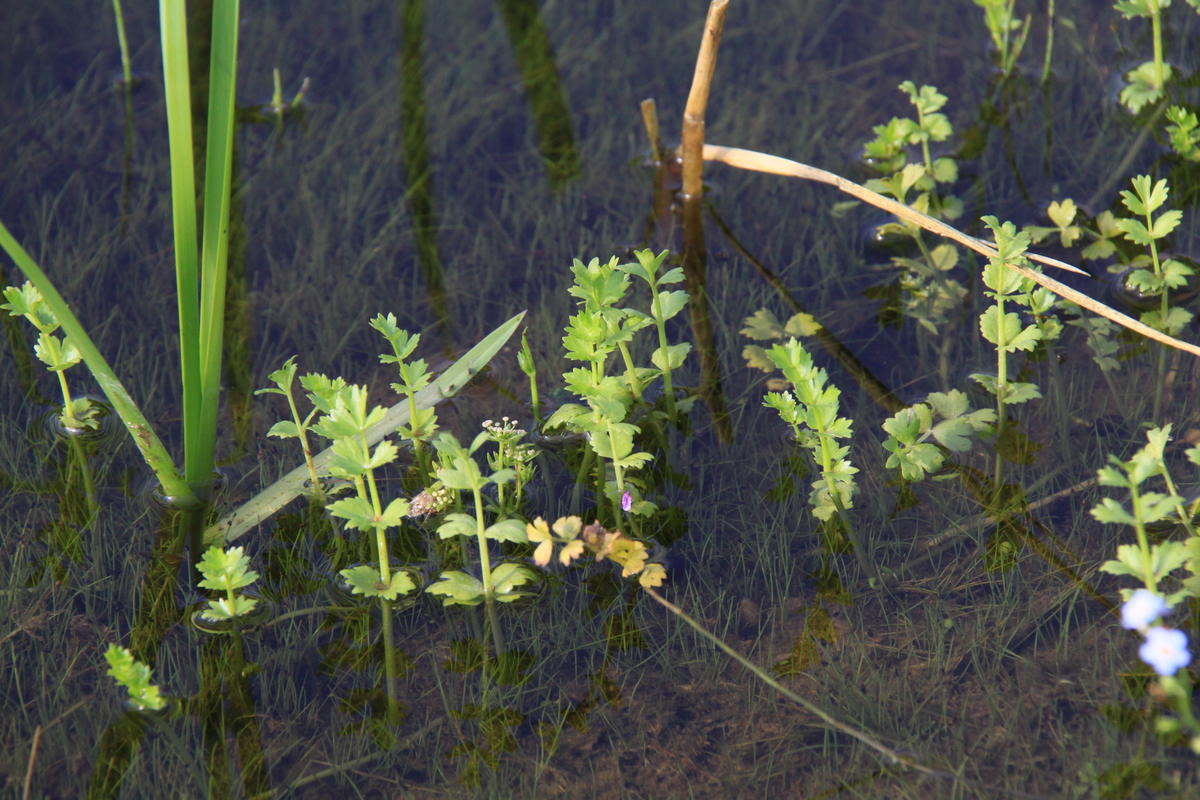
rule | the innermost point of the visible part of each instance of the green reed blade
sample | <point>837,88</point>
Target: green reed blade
<point>283,491</point>
<point>152,449</point>
<point>177,88</point>
<point>215,250</point>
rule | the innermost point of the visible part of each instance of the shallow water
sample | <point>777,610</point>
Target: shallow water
<point>1007,677</point>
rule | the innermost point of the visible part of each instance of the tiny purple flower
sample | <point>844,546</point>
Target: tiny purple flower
<point>1165,649</point>
<point>1141,609</point>
<point>626,501</point>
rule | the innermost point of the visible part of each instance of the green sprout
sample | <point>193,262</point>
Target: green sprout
<point>1184,131</point>
<point>347,423</point>
<point>459,471</point>
<point>593,335</point>
<point>1002,24</point>
<point>1146,82</point>
<point>929,293</point>
<point>1063,216</point>
<point>1004,330</point>
<point>663,306</point>
<point>1163,275</point>
<point>135,677</point>
<point>58,354</point>
<point>911,429</point>
<point>296,427</point>
<point>227,571</point>
<point>529,367</point>
<point>811,409</point>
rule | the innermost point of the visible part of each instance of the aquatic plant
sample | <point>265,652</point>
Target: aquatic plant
<point>1154,563</point>
<point>1008,32</point>
<point>596,332</point>
<point>135,677</point>
<point>1004,330</point>
<point>58,354</point>
<point>1146,83</point>
<point>227,571</point>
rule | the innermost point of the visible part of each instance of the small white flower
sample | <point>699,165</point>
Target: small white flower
<point>1165,649</point>
<point>1141,609</point>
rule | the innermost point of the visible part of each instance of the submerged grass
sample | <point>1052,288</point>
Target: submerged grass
<point>997,677</point>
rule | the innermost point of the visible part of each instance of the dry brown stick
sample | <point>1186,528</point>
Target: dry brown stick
<point>761,162</point>
<point>694,255</point>
<point>692,146</point>
<point>33,749</point>
<point>650,119</point>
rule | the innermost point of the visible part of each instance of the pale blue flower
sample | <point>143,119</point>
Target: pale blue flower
<point>1166,650</point>
<point>1141,609</point>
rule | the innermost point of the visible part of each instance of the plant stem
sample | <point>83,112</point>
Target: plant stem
<point>1050,16</point>
<point>389,663</point>
<point>631,378</point>
<point>1156,22</point>
<point>302,430</point>
<point>484,560</point>
<point>661,324</point>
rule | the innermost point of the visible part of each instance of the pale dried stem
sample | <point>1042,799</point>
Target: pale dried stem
<point>761,162</point>
<point>693,115</point>
<point>650,119</point>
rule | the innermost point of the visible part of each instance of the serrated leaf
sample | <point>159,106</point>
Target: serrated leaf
<point>365,580</point>
<point>507,577</point>
<point>458,588</point>
<point>675,355</point>
<point>1021,392</point>
<point>223,608</point>
<point>801,324</point>
<point>763,325</point>
<point>1166,223</point>
<point>956,434</point>
<point>949,404</point>
<point>357,511</point>
<point>671,303</point>
<point>1025,339</point>
<point>757,358</point>
<point>285,429</point>
<point>457,524</point>
<point>225,570</point>
<point>508,530</point>
<point>904,426</point>
<point>1110,511</point>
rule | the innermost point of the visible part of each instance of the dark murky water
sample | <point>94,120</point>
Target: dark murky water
<point>1000,676</point>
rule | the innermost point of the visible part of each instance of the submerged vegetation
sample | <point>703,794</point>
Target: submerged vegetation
<point>948,514</point>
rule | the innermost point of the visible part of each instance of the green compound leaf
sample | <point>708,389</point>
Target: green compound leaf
<point>756,358</point>
<point>508,530</point>
<point>763,326</point>
<point>135,677</point>
<point>1143,88</point>
<point>225,609</point>
<point>357,511</point>
<point>458,588</point>
<point>366,580</point>
<point>1020,392</point>
<point>676,353</point>
<point>507,577</point>
<point>285,429</point>
<point>457,524</point>
<point>225,570</point>
<point>672,303</point>
<point>955,434</point>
